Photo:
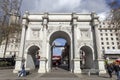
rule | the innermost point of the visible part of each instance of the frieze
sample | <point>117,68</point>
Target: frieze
<point>85,42</point>
<point>33,42</point>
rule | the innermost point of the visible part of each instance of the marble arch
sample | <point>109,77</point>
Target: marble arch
<point>40,28</point>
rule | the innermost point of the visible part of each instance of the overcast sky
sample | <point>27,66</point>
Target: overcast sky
<point>66,6</point>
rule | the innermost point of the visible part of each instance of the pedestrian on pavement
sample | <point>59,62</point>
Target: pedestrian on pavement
<point>22,72</point>
<point>109,69</point>
<point>56,65</point>
<point>116,66</point>
<point>37,60</point>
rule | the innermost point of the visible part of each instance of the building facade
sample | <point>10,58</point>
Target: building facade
<point>79,30</point>
<point>109,39</point>
<point>13,44</point>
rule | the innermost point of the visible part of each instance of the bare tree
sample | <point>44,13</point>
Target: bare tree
<point>9,11</point>
<point>115,13</point>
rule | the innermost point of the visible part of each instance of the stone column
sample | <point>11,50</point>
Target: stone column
<point>22,45</point>
<point>76,55</point>
<point>43,61</point>
<point>100,61</point>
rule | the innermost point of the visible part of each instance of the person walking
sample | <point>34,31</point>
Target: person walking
<point>22,72</point>
<point>37,60</point>
<point>56,65</point>
<point>116,66</point>
<point>110,70</point>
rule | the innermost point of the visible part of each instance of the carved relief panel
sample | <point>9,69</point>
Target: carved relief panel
<point>84,33</point>
<point>35,34</point>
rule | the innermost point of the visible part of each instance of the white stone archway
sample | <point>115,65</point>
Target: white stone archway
<point>77,29</point>
<point>66,36</point>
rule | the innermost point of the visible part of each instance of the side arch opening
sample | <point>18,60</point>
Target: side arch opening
<point>86,57</point>
<point>33,57</point>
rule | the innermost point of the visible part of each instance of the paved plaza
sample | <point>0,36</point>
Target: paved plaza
<point>53,75</point>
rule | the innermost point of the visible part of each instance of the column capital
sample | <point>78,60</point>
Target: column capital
<point>45,18</point>
<point>25,19</point>
<point>24,22</point>
<point>74,19</point>
<point>74,16</point>
<point>95,20</point>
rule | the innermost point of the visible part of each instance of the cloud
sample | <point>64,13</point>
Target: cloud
<point>65,6</point>
<point>103,15</point>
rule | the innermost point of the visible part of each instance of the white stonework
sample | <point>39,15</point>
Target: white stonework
<point>40,30</point>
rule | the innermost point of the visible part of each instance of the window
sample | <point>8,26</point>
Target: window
<point>107,43</point>
<point>117,43</point>
<point>102,47</point>
<point>101,38</point>
<point>101,34</point>
<point>108,47</point>
<point>116,38</point>
<point>102,43</point>
<point>106,38</point>
<point>113,47</point>
<point>116,34</point>
<point>106,34</point>
<point>16,46</point>
<point>112,43</point>
<point>110,30</point>
<point>111,38</point>
<point>111,34</point>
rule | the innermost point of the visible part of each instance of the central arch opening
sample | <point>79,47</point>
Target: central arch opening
<point>60,51</point>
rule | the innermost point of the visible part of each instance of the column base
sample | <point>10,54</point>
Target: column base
<point>77,71</point>
<point>17,65</point>
<point>77,66</point>
<point>101,66</point>
<point>42,67</point>
<point>41,71</point>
